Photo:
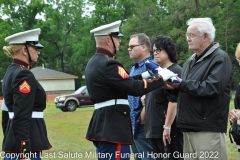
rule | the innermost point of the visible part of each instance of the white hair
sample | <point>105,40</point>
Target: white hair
<point>205,25</point>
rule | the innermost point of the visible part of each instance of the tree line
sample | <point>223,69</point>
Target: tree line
<point>66,24</point>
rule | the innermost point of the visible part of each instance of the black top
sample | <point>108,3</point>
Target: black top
<point>156,108</point>
<point>204,93</point>
<point>106,79</point>
<point>23,95</point>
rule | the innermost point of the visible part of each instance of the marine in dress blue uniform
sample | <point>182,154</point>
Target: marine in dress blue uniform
<point>25,134</point>
<point>109,86</point>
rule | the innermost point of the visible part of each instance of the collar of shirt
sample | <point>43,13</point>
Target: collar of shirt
<point>136,65</point>
<point>204,52</point>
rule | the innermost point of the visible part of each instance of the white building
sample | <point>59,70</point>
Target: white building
<point>54,81</point>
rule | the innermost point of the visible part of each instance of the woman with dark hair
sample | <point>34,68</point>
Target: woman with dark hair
<point>161,105</point>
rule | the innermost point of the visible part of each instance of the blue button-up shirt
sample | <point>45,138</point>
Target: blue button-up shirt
<point>135,102</point>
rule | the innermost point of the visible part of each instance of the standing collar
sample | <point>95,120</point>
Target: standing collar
<point>105,51</point>
<point>20,62</point>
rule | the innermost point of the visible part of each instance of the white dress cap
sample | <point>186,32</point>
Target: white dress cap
<point>30,37</point>
<point>108,29</point>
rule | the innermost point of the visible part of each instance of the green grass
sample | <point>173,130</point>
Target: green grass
<point>66,132</point>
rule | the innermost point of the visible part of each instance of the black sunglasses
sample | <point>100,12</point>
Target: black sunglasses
<point>157,50</point>
<point>132,46</point>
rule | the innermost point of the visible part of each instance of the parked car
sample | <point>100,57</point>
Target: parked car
<point>72,101</point>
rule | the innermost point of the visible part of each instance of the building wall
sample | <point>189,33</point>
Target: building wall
<point>58,85</point>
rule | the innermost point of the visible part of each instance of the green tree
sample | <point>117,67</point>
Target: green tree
<point>60,32</point>
<point>65,27</point>
<point>21,14</point>
<point>149,17</point>
<point>18,16</point>
<point>5,60</point>
<point>109,11</point>
<point>227,33</point>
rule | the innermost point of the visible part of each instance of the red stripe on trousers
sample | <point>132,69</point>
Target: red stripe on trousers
<point>119,148</point>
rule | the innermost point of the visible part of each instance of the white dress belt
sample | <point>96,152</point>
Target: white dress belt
<point>34,114</point>
<point>110,103</point>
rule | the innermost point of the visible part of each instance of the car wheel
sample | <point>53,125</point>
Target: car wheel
<point>64,109</point>
<point>71,106</point>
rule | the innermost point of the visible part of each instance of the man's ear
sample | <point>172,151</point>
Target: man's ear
<point>108,41</point>
<point>144,47</point>
<point>206,36</point>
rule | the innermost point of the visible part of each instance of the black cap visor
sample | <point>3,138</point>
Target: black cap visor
<point>35,44</point>
<point>116,34</point>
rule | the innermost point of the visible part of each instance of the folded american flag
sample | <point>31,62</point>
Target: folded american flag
<point>154,68</point>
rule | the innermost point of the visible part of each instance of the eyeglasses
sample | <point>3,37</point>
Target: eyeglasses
<point>132,46</point>
<point>238,59</point>
<point>190,35</point>
<point>157,51</point>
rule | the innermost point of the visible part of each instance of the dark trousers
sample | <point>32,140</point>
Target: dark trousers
<point>173,150</point>
<point>141,146</point>
<point>112,151</point>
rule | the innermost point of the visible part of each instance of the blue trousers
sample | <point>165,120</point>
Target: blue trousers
<point>141,146</point>
<point>13,156</point>
<point>112,151</point>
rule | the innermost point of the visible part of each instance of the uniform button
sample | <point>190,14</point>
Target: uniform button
<point>23,143</point>
<point>24,150</point>
<point>125,112</point>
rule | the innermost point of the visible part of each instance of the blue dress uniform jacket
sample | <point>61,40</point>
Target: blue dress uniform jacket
<point>107,80</point>
<point>23,95</point>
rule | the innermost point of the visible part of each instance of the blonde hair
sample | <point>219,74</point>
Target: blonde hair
<point>12,50</point>
<point>237,53</point>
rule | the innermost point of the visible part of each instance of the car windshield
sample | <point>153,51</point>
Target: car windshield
<point>80,90</point>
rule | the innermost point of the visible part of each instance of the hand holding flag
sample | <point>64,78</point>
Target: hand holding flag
<point>154,68</point>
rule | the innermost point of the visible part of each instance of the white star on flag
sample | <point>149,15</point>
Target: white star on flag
<point>158,69</point>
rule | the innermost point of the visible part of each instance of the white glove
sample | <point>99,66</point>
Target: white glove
<point>145,74</point>
<point>166,74</point>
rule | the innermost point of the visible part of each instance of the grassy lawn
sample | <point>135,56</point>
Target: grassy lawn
<point>66,132</point>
